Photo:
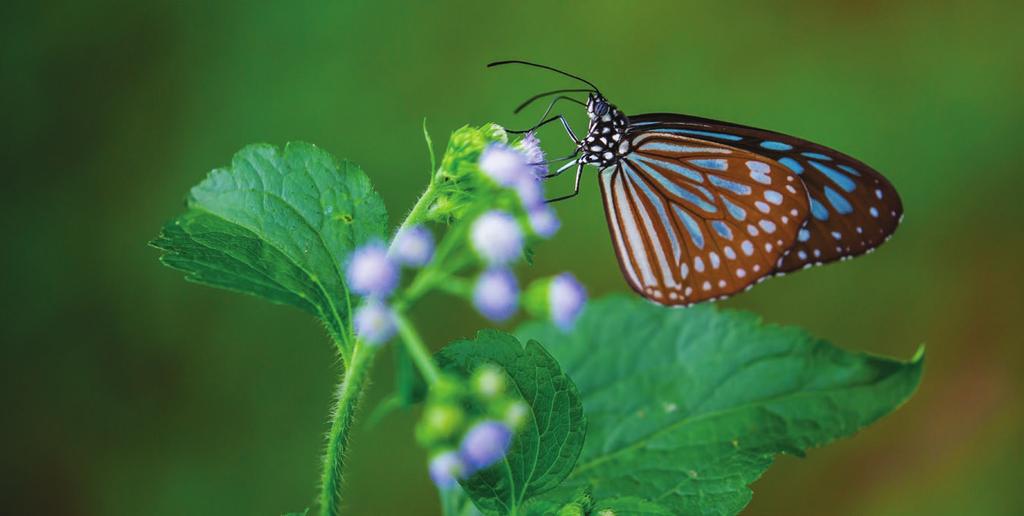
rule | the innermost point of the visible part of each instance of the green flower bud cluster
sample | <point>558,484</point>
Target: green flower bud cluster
<point>454,405</point>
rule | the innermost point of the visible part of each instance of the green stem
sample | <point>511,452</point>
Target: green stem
<point>417,350</point>
<point>349,394</point>
<point>357,366</point>
<point>419,211</point>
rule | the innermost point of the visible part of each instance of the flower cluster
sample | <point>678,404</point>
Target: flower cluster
<point>469,427</point>
<point>498,237</point>
<point>373,272</point>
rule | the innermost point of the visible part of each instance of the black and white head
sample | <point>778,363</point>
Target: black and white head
<point>606,140</point>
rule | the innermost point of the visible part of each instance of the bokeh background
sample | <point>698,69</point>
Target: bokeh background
<point>127,391</point>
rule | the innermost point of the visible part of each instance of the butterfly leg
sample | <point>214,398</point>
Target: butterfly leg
<point>556,160</point>
<point>576,188</point>
<point>558,172</point>
<point>565,123</point>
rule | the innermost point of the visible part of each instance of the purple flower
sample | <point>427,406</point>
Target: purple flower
<point>370,272</point>
<point>530,191</point>
<point>445,468</point>
<point>566,297</point>
<point>503,164</point>
<point>484,444</point>
<point>543,221</point>
<point>374,322</point>
<point>496,294</point>
<point>530,147</point>
<point>497,238</point>
<point>413,246</point>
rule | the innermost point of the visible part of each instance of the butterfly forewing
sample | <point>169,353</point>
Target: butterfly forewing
<point>853,209</point>
<point>693,220</point>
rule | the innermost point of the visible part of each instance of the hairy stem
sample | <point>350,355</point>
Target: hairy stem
<point>349,394</point>
<point>357,367</point>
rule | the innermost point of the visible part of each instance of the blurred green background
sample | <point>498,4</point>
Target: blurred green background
<point>128,391</point>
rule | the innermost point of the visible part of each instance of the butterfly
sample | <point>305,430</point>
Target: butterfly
<point>701,209</point>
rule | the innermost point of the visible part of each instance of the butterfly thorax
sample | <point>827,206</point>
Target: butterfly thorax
<point>606,141</point>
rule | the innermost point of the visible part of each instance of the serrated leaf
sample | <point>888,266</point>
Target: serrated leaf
<point>689,406</point>
<point>544,450</point>
<point>278,225</point>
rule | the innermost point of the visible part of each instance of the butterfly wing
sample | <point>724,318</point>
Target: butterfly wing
<point>853,208</point>
<point>693,220</point>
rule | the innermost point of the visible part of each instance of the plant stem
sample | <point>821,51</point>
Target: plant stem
<point>419,211</point>
<point>350,392</point>
<point>417,349</point>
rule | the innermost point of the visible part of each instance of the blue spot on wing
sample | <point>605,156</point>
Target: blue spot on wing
<point>836,176</point>
<point>736,212</point>
<point>792,164</point>
<point>818,210</point>
<point>690,174</point>
<point>777,146</point>
<point>838,201</point>
<point>721,136</point>
<point>773,197</point>
<point>714,164</point>
<point>735,188</point>
<point>816,155</point>
<point>673,188</point>
<point>691,227</point>
<point>722,229</point>
<point>850,170</point>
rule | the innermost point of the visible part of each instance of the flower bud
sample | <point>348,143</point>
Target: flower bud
<point>441,421</point>
<point>370,272</point>
<point>516,414</point>
<point>374,322</point>
<point>496,294</point>
<point>488,381</point>
<point>530,147</point>
<point>484,444</point>
<point>497,238</point>
<point>543,221</point>
<point>445,468</point>
<point>560,297</point>
<point>503,164</point>
<point>412,246</point>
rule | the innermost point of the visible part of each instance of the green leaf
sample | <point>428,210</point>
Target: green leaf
<point>278,225</point>
<point>544,450</point>
<point>303,513</point>
<point>689,406</point>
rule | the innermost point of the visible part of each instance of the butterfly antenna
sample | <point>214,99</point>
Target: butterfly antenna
<point>530,100</point>
<point>546,67</point>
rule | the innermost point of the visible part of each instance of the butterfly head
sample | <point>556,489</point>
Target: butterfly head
<point>606,136</point>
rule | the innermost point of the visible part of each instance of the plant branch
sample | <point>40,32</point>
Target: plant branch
<point>350,392</point>
<point>417,349</point>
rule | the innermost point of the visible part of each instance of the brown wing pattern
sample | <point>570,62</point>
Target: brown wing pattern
<point>693,220</point>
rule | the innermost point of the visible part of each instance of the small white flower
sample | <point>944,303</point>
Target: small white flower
<point>484,444</point>
<point>445,468</point>
<point>496,294</point>
<point>530,147</point>
<point>374,322</point>
<point>413,246</point>
<point>566,298</point>
<point>370,272</point>
<point>504,165</point>
<point>543,221</point>
<point>530,191</point>
<point>497,238</point>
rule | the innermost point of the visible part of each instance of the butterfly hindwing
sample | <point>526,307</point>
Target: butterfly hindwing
<point>693,220</point>
<point>853,208</point>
